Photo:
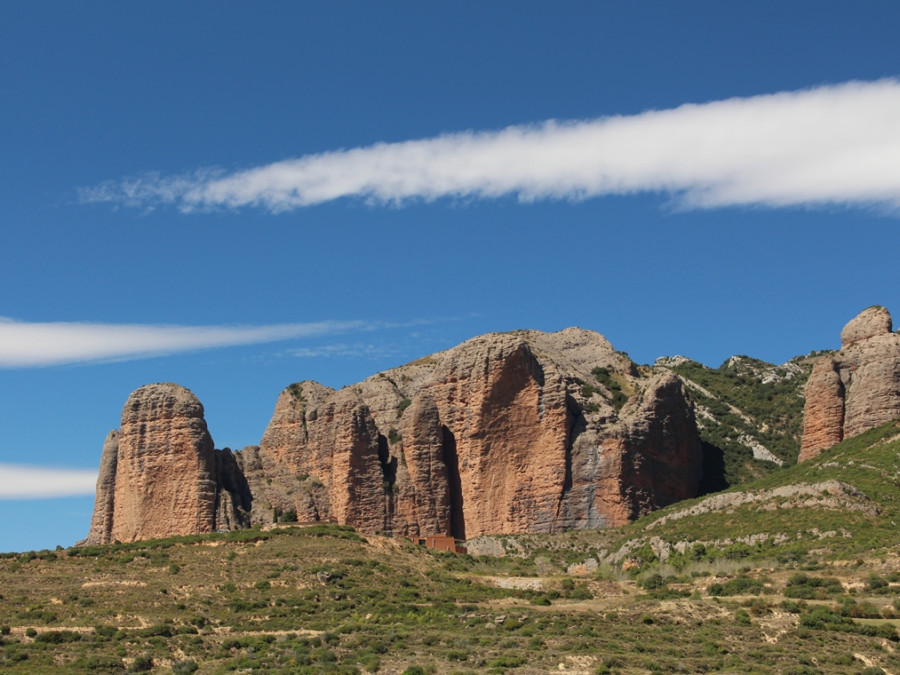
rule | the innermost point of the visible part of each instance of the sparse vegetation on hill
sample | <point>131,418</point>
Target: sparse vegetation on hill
<point>750,415</point>
<point>782,582</point>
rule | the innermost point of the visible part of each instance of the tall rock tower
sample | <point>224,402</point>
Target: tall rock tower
<point>855,389</point>
<point>158,473</point>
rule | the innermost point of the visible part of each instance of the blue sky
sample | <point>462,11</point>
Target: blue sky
<point>236,196</point>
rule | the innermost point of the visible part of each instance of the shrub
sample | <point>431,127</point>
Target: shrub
<point>58,637</point>
<point>802,586</point>
<point>99,664</point>
<point>142,664</point>
<point>652,581</point>
<point>741,585</point>
<point>875,583</point>
<point>507,661</point>
<point>403,405</point>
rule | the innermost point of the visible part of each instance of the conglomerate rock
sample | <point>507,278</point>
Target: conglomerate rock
<point>506,433</point>
<point>158,474</point>
<point>856,388</point>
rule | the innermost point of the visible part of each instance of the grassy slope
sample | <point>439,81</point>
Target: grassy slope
<point>324,599</point>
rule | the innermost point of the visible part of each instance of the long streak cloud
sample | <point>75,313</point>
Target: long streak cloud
<point>837,144</point>
<point>24,344</point>
<point>33,482</point>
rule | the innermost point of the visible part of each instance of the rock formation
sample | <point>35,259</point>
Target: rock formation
<point>159,474</point>
<point>856,388</point>
<point>506,433</point>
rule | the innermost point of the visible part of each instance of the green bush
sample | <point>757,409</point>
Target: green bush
<point>57,637</point>
<point>809,588</point>
<point>142,664</point>
<point>403,405</point>
<point>507,661</point>
<point>652,581</point>
<point>741,585</point>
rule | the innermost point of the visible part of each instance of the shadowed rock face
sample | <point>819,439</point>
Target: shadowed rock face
<point>855,389</point>
<point>506,433</point>
<point>104,504</point>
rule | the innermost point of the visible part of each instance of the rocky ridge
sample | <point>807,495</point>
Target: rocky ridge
<point>521,432</point>
<point>506,433</point>
<point>855,389</point>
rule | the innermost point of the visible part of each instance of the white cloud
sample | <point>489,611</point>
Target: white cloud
<point>828,145</point>
<point>32,482</point>
<point>25,344</point>
<point>359,349</point>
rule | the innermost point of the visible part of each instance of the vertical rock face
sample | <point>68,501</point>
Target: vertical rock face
<point>102,520</point>
<point>855,389</point>
<point>823,415</point>
<point>158,473</point>
<point>506,433</point>
<point>165,470</point>
<point>653,453</point>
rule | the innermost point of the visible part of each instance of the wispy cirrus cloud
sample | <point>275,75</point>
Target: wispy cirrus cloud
<point>837,144</point>
<point>34,482</point>
<point>25,344</point>
<point>344,350</point>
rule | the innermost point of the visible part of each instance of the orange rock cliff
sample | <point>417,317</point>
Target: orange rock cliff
<point>505,433</point>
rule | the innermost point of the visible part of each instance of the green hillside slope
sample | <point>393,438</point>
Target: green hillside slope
<point>798,572</point>
<point>749,412</point>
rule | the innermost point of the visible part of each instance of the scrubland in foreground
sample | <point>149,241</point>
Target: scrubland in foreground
<point>782,581</point>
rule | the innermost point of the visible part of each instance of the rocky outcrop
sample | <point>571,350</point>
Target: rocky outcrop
<point>506,433</point>
<point>823,415</point>
<point>855,389</point>
<point>159,472</point>
<point>871,322</point>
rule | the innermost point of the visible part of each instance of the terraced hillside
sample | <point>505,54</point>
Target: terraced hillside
<point>793,573</point>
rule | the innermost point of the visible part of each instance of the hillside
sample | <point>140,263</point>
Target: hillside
<point>749,413</point>
<point>793,573</point>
